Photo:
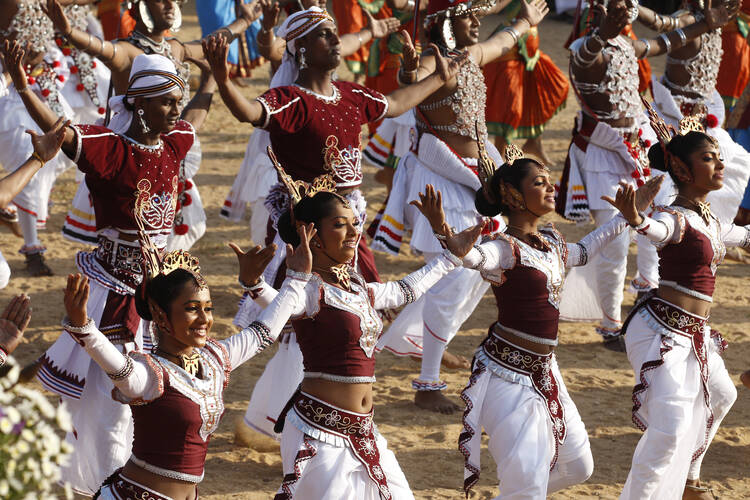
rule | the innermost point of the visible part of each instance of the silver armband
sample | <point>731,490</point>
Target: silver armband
<point>584,254</point>
<point>252,289</point>
<point>483,260</point>
<point>666,41</point>
<point>648,49</point>
<point>683,37</point>
<point>124,372</point>
<point>86,328</point>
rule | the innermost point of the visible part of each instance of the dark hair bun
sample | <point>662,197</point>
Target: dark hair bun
<point>656,157</point>
<point>483,206</point>
<point>287,231</point>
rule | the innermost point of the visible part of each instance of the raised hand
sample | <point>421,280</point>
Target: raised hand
<point>253,262</point>
<point>615,21</point>
<point>716,17</point>
<point>215,49</point>
<point>55,12</point>
<point>13,321</point>
<point>48,145</point>
<point>13,55</point>
<point>381,27</point>
<point>534,11</point>
<point>430,203</point>
<point>624,201</point>
<point>409,56</point>
<point>645,194</point>
<point>271,12</point>
<point>461,243</point>
<point>76,298</point>
<point>251,11</point>
<point>448,68</point>
<point>300,259</point>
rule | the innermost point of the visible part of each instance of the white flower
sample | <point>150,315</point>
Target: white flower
<point>5,425</point>
<point>4,489</point>
<point>64,421</point>
<point>22,447</point>
<point>28,435</point>
<point>13,415</point>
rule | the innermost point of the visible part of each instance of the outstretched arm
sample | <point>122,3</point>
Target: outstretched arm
<point>661,23</point>
<point>115,56</point>
<point>46,147</point>
<point>269,46</point>
<point>532,13</point>
<point>44,117</point>
<point>216,50</point>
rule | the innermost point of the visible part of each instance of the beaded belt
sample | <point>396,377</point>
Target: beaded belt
<point>538,367</point>
<point>127,489</point>
<point>120,259</point>
<point>356,428</point>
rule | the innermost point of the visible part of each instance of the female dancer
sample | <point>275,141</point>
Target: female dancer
<point>516,392</point>
<point>139,155</point>
<point>329,446</point>
<point>609,143</point>
<point>176,391</point>
<point>683,390</point>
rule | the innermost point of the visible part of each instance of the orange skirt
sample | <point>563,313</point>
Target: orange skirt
<point>351,19</point>
<point>734,72</point>
<point>520,101</point>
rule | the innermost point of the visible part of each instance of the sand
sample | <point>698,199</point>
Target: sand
<point>425,443</point>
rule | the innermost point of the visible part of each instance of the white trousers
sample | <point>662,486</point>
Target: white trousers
<point>4,272</point>
<point>334,473</point>
<point>515,418</point>
<point>674,408</point>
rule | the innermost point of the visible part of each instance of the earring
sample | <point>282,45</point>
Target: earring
<point>302,62</point>
<point>144,127</point>
<point>148,20</point>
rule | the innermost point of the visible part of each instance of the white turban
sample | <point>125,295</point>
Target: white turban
<point>151,75</point>
<point>295,26</point>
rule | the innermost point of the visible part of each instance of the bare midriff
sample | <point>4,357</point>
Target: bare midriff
<point>682,300</point>
<point>529,345</point>
<point>352,397</point>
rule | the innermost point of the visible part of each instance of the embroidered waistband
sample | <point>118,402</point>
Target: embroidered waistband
<point>675,318</point>
<point>539,368</point>
<point>356,428</point>
<point>123,487</point>
<point>120,259</point>
<point>523,335</point>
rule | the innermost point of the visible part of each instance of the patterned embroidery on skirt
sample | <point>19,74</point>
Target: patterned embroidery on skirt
<point>468,432</point>
<point>306,453</point>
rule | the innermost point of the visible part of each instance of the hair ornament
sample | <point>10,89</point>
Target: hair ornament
<point>301,189</point>
<point>512,153</point>
<point>485,168</point>
<point>155,261</point>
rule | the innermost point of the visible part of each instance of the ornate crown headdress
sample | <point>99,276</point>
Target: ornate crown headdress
<point>665,133</point>
<point>300,189</point>
<point>155,261</point>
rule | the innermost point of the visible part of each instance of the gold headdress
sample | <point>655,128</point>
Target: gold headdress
<point>155,261</point>
<point>300,189</point>
<point>485,168</point>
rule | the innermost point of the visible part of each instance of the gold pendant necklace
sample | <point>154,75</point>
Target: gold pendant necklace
<point>702,208</point>
<point>189,362</point>
<point>340,274</point>
<point>535,239</point>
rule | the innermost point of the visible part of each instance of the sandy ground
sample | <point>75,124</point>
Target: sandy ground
<point>599,381</point>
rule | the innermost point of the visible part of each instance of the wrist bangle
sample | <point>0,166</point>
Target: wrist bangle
<point>597,37</point>
<point>483,260</point>
<point>3,356</point>
<point>23,90</point>
<point>648,49</point>
<point>290,273</point>
<point>252,288</point>
<point>359,38</point>
<point>37,157</point>
<point>77,329</point>
<point>513,33</point>
<point>456,261</point>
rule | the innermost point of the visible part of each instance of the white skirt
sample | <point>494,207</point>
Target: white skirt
<point>327,472</point>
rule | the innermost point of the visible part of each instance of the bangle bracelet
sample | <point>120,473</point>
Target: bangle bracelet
<point>38,157</point>
<point>77,329</point>
<point>3,356</point>
<point>683,37</point>
<point>666,41</point>
<point>290,273</point>
<point>648,49</point>
<point>252,288</point>
<point>23,90</point>
<point>587,50</point>
<point>596,36</point>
